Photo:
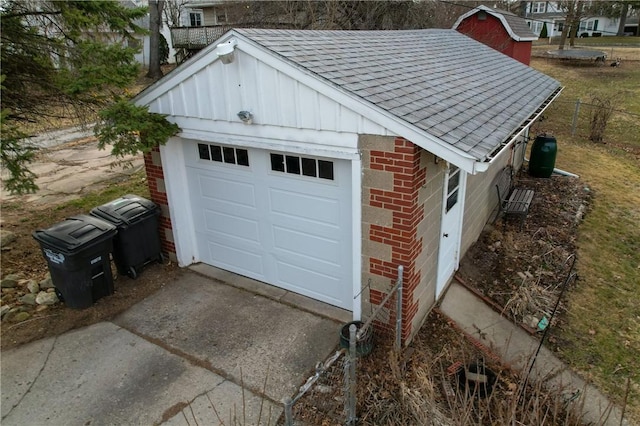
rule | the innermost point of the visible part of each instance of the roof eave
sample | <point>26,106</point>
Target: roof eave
<point>482,166</point>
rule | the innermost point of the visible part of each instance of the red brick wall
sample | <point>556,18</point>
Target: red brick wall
<point>155,181</point>
<point>404,162</point>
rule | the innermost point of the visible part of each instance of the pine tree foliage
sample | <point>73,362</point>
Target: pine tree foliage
<point>60,59</point>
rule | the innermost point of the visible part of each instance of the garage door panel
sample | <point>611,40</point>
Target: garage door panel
<point>313,284</point>
<point>228,191</point>
<point>303,244</point>
<point>237,260</point>
<point>307,206</point>
<point>232,227</point>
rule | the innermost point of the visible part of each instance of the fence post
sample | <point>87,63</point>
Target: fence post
<point>351,409</point>
<point>575,118</point>
<point>398,343</point>
<point>288,412</point>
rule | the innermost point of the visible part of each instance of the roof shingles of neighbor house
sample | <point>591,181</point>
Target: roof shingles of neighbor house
<point>440,81</point>
<point>518,25</point>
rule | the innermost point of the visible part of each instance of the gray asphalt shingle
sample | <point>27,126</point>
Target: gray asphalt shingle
<point>438,80</point>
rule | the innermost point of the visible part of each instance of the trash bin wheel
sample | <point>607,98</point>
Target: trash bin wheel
<point>132,273</point>
<point>59,294</point>
<point>162,259</point>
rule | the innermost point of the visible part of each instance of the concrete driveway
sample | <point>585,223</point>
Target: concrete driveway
<point>183,354</point>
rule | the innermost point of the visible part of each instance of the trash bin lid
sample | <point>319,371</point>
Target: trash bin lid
<point>126,210</point>
<point>73,233</point>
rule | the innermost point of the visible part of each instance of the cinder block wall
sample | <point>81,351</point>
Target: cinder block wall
<point>481,201</point>
<point>396,194</point>
<point>155,181</point>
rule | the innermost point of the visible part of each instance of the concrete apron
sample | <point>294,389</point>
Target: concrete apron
<point>195,350</point>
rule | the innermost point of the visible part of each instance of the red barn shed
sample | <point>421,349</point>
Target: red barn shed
<point>499,29</point>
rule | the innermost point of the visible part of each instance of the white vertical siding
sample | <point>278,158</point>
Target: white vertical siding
<point>218,92</point>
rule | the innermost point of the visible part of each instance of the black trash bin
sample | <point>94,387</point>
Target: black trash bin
<point>137,242</point>
<point>77,252</point>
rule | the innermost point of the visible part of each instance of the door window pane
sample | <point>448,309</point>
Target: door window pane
<point>325,169</point>
<point>277,162</point>
<point>216,153</point>
<point>203,151</point>
<point>309,167</point>
<point>243,157</point>
<point>293,165</point>
<point>229,155</point>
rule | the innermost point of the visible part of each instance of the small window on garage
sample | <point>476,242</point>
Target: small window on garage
<point>216,153</point>
<point>306,166</point>
<point>325,169</point>
<point>277,162</point>
<point>309,167</point>
<point>203,151</point>
<point>223,154</point>
<point>293,164</point>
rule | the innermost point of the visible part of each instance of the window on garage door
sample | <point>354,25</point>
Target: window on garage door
<point>223,154</point>
<point>305,166</point>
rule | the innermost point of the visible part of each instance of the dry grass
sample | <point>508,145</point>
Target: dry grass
<point>422,385</point>
<point>601,337</point>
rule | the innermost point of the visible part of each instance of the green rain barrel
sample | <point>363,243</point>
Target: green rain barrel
<point>543,156</point>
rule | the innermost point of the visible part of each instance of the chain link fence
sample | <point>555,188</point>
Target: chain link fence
<point>356,341</point>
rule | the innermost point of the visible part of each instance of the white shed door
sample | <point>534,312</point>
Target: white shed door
<point>281,218</point>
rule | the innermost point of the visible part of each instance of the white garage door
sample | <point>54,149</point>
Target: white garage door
<point>281,218</point>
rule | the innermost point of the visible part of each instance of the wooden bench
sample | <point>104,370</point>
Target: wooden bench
<point>512,201</point>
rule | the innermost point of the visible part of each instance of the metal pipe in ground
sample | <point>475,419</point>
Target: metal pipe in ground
<point>351,409</point>
<point>288,411</point>
<point>398,344</point>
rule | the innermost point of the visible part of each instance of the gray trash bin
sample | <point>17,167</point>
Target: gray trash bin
<point>77,251</point>
<point>138,241</point>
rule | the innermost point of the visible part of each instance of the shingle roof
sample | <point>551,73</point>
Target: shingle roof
<point>440,81</point>
<point>518,24</point>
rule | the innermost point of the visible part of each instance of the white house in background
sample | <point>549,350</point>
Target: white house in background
<point>201,13</point>
<point>143,42</point>
<point>537,13</point>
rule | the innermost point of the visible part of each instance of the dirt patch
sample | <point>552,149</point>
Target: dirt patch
<point>23,257</point>
<point>522,269</point>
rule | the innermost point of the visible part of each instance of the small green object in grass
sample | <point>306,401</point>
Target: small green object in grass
<point>543,323</point>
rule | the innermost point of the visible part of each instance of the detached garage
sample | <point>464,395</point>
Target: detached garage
<point>320,161</point>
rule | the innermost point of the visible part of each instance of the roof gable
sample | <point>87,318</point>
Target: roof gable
<point>438,88</point>
<point>516,27</point>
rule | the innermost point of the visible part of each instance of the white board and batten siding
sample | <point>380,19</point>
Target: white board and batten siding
<point>296,232</point>
<point>217,92</point>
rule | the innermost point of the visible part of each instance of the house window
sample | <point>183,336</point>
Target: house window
<point>590,26</point>
<point>559,26</point>
<point>538,7</point>
<point>583,25</point>
<point>195,18</point>
<point>223,154</point>
<point>536,27</point>
<point>221,17</point>
<point>304,166</point>
<point>453,184</point>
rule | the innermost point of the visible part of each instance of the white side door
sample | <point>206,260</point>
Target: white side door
<point>451,225</point>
